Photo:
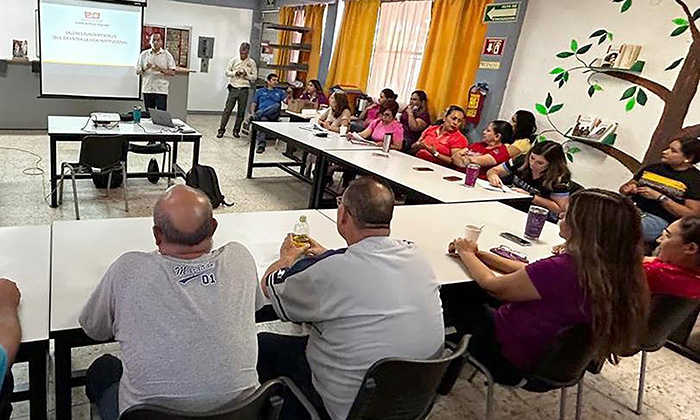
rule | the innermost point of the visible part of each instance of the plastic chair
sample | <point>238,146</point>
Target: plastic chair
<point>666,315</point>
<point>98,154</point>
<point>264,404</point>
<point>405,389</point>
<point>563,366</point>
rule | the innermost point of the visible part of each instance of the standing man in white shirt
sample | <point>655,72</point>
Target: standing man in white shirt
<point>241,71</point>
<point>154,67</point>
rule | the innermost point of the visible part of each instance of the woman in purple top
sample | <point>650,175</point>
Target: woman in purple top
<point>385,124</point>
<point>314,93</point>
<point>415,118</point>
<point>598,281</point>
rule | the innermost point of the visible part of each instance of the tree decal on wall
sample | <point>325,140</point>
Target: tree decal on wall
<point>676,100</point>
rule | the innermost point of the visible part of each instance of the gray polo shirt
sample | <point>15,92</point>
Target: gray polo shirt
<point>186,327</point>
<point>377,298</point>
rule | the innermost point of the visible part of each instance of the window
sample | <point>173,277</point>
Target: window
<point>398,47</point>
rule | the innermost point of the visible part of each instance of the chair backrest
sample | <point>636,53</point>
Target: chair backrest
<point>102,151</point>
<point>264,404</point>
<point>565,361</point>
<point>402,389</point>
<point>666,315</point>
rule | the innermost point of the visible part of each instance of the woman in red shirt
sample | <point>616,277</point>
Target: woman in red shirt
<point>439,142</point>
<point>676,269</point>
<point>489,152</point>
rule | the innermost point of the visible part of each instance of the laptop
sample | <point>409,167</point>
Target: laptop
<point>161,118</point>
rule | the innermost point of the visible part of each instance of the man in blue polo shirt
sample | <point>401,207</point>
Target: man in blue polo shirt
<point>266,106</point>
<point>10,337</point>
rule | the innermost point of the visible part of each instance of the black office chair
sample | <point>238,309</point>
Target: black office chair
<point>666,315</point>
<point>404,389</point>
<point>153,148</point>
<point>563,366</point>
<point>264,404</point>
<point>101,155</point>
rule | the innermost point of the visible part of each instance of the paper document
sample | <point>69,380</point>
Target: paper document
<point>487,186</point>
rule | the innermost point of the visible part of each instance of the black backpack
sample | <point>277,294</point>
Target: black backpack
<point>204,178</point>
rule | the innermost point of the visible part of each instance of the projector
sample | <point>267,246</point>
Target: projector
<point>105,118</point>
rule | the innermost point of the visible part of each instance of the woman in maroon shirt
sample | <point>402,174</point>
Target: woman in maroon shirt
<point>598,281</point>
<point>415,119</point>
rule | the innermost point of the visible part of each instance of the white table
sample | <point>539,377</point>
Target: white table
<point>296,137</point>
<point>299,116</point>
<point>74,129</point>
<point>432,227</point>
<point>399,168</point>
<point>83,251</point>
<point>24,259</point>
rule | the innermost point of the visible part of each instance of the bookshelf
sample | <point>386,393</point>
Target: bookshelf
<point>270,36</point>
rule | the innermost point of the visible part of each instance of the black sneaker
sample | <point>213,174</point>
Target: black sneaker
<point>220,134</point>
<point>236,135</point>
<point>261,149</point>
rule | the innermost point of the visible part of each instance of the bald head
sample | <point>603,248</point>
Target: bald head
<point>183,216</point>
<point>370,202</point>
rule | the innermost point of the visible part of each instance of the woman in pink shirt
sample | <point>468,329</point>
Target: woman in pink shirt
<point>385,124</point>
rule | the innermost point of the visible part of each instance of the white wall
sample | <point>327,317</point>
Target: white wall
<point>548,29</point>
<point>207,91</point>
<point>227,25</point>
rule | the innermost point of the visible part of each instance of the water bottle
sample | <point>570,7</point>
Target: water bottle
<point>137,114</point>
<point>386,144</point>
<point>300,234</point>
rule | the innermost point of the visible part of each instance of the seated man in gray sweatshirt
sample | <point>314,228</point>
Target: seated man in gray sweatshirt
<point>377,298</point>
<point>184,317</point>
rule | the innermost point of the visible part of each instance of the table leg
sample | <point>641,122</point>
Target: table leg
<point>174,156</point>
<point>63,370</point>
<point>251,151</point>
<point>37,381</point>
<point>319,181</point>
<point>54,177</point>
<point>195,152</point>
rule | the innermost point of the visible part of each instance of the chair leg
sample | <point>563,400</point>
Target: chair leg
<point>126,200</point>
<point>75,196</point>
<point>562,405</point>
<point>579,400</point>
<point>60,187</point>
<point>640,390</point>
<point>109,182</point>
<point>490,385</point>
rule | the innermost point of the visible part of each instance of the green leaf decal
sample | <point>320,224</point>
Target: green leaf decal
<point>574,45</point>
<point>696,15</point>
<point>570,157</point>
<point>541,109</point>
<point>598,87</point>
<point>629,93</point>
<point>591,91</point>
<point>599,32</point>
<point>674,64</point>
<point>557,70</point>
<point>573,150</point>
<point>609,140</point>
<point>555,108</point>
<point>565,54</point>
<point>679,30</point>
<point>641,97</point>
<point>610,35</point>
<point>680,22</point>
<point>584,49</point>
<point>630,105</point>
<point>541,139</point>
<point>548,101</point>
<point>625,6</point>
<point>566,76</point>
<point>602,38</point>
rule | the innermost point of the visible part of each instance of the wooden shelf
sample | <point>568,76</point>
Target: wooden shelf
<point>626,160</point>
<point>637,67</point>
<point>278,27</point>
<point>299,47</point>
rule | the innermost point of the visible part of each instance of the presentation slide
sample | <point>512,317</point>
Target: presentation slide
<point>89,48</point>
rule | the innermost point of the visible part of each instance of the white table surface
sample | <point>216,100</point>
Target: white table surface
<point>73,125</point>
<point>294,131</point>
<point>399,168</point>
<point>433,227</point>
<point>83,250</point>
<point>300,115</point>
<point>24,259</point>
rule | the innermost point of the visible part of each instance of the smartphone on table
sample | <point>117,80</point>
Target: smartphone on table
<point>514,238</point>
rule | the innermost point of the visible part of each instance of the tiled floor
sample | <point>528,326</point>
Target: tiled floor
<point>673,390</point>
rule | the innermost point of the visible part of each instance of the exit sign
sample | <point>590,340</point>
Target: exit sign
<point>501,12</point>
<point>494,46</point>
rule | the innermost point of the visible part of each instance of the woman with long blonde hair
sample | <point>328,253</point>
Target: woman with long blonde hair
<point>598,281</point>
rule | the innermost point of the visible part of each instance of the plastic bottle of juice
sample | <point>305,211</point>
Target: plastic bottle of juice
<point>300,234</point>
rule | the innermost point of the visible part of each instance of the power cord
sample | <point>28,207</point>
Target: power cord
<point>35,170</point>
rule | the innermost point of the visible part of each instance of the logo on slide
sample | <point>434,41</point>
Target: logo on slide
<point>92,15</point>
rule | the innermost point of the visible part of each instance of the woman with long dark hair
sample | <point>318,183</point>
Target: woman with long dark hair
<point>415,118</point>
<point>337,114</point>
<point>490,151</point>
<point>524,129</point>
<point>597,281</point>
<point>314,93</point>
<point>542,173</point>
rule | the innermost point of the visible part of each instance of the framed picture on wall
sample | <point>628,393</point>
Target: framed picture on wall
<point>177,41</point>
<point>146,35</point>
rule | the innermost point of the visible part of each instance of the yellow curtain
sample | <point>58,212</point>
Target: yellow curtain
<point>286,17</point>
<point>353,50</point>
<point>452,52</point>
<point>313,18</point>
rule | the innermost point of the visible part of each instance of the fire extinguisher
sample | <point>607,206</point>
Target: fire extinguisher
<point>475,102</point>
